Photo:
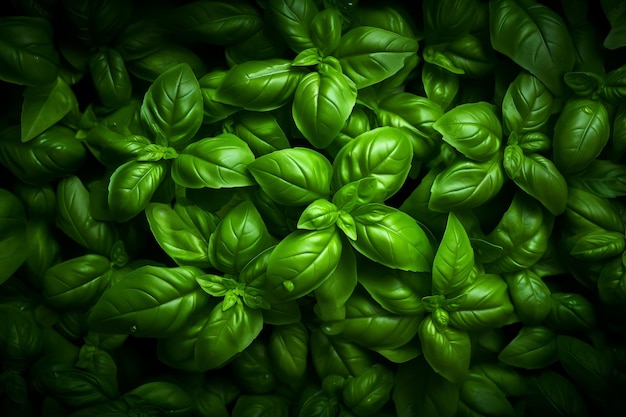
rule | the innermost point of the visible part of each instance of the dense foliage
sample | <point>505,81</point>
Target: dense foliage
<point>312,208</point>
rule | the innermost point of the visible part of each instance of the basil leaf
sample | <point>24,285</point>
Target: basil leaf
<point>44,106</point>
<point>336,356</point>
<point>419,387</point>
<point>150,301</point>
<point>368,324</point>
<point>571,312</point>
<point>320,214</point>
<point>172,107</point>
<point>530,296</point>
<point>447,350</point>
<point>369,55</point>
<point>214,110</point>
<point>449,19</point>
<point>178,236</point>
<point>75,220</point>
<point>214,22</point>
<point>384,153</point>
<point>294,177</point>
<point>301,263</point>
<point>13,243</point>
<point>551,392</point>
<point>580,134</point>
<point>368,393</point>
<point>165,57</point>
<point>392,238</point>
<point>416,116</point>
<point>537,176</point>
<point>523,233</point>
<point>333,294</point>
<point>613,88</point>
<point>288,349</point>
<point>588,366</point>
<point>132,186</point>
<point>485,304</point>
<point>474,392</point>
<point>218,162</point>
<point>97,23</point>
<point>293,20</point>
<point>238,238</point>
<point>261,131</point>
<point>260,85</point>
<point>466,184</point>
<point>440,85</point>
<point>28,55</point>
<point>53,154</point>
<point>77,283</point>
<point>534,347</point>
<point>603,178</point>
<point>321,105</point>
<point>398,292</point>
<point>225,334</point>
<point>326,30</point>
<point>525,25</point>
<point>454,259</point>
<point>472,129</point>
<point>110,77</point>
<point>527,105</point>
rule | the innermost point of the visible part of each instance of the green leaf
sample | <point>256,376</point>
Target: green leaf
<point>292,19</point>
<point>454,259</point>
<point>333,294</point>
<point>225,334</point>
<point>369,55</point>
<point>28,54</point>
<point>336,356</point>
<point>215,22</point>
<point>480,396</point>
<point>301,262</point>
<point>288,349</point>
<point>534,347</point>
<point>398,292</point>
<point>537,176</point>
<point>527,105</point>
<point>392,238</point>
<point>384,153</point>
<point>178,236</point>
<point>110,77</point>
<point>320,214</point>
<point>571,312</point>
<point>214,110</point>
<point>589,367</point>
<point>77,283</point>
<point>472,129</point>
<point>530,296</point>
<point>615,12</point>
<point>172,108</point>
<point>597,246</point>
<point>440,85</point>
<point>293,177</point>
<point>523,233</point>
<point>75,220</point>
<point>446,350</point>
<point>484,304</point>
<point>150,301</point>
<point>321,105</point>
<point>44,106</point>
<point>238,238</point>
<point>466,184</point>
<point>218,162</point>
<point>14,248</point>
<point>369,325</point>
<point>260,85</point>
<point>368,393</point>
<point>53,154</point>
<point>419,387</point>
<point>132,186</point>
<point>580,134</point>
<point>553,394</point>
<point>261,131</point>
<point>603,178</point>
<point>97,22</point>
<point>326,28</point>
<point>517,26</point>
